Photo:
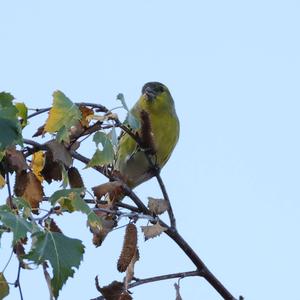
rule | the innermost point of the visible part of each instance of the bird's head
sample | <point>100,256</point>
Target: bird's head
<point>152,90</point>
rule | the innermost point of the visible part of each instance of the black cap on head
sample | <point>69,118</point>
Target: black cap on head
<point>152,89</point>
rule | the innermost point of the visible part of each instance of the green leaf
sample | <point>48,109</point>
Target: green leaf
<point>4,288</point>
<point>120,97</point>
<point>71,200</point>
<point>65,178</point>
<point>5,99</point>
<point>131,120</point>
<point>104,156</point>
<point>62,252</point>
<point>10,133</point>
<point>18,225</point>
<point>62,116</point>
<point>22,112</point>
<point>22,204</point>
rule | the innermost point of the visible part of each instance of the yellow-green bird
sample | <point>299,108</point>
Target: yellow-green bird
<point>158,105</point>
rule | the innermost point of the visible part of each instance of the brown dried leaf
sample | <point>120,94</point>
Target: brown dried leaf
<point>153,231</point>
<point>157,206</point>
<point>129,248</point>
<point>75,179</point>
<point>51,225</point>
<point>112,291</point>
<point>114,189</point>
<point>20,183</point>
<point>33,193</point>
<point>52,170</point>
<point>29,187</point>
<point>40,131</point>
<point>19,249</point>
<point>59,152</point>
<point>108,223</point>
<point>85,113</point>
<point>15,160</point>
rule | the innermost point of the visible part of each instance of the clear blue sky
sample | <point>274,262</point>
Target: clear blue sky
<point>233,68</point>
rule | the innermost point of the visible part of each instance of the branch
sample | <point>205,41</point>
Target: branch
<point>158,278</point>
<point>166,197</point>
<point>99,107</point>
<point>164,277</point>
<point>17,282</point>
<point>171,231</point>
<point>137,139</point>
<point>178,239</point>
<point>9,191</point>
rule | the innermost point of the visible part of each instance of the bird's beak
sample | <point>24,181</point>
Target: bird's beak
<point>149,93</point>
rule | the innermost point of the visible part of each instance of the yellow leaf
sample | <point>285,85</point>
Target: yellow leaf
<point>2,182</point>
<point>37,164</point>
<point>4,288</point>
<point>62,116</point>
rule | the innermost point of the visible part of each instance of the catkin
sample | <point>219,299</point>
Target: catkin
<point>129,248</point>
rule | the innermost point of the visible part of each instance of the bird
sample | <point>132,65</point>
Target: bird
<point>159,129</point>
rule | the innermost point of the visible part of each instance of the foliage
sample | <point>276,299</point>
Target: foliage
<point>29,215</point>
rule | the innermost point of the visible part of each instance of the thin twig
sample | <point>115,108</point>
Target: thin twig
<point>9,191</point>
<point>9,259</point>
<point>164,277</point>
<point>166,197</point>
<point>100,108</point>
<point>17,282</point>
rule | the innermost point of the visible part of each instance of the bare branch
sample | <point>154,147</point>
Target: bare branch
<point>17,282</point>
<point>164,277</point>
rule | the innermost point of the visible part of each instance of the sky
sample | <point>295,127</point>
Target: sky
<point>233,68</point>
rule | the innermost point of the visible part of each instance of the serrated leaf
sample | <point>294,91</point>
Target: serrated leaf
<point>22,204</point>
<point>10,133</point>
<point>104,156</point>
<point>152,231</point>
<point>15,160</point>
<point>22,113</point>
<point>29,187</point>
<point>157,206</point>
<point>18,225</point>
<point>4,287</point>
<point>71,200</point>
<point>59,152</point>
<point>5,99</point>
<point>62,252</point>
<point>62,116</point>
